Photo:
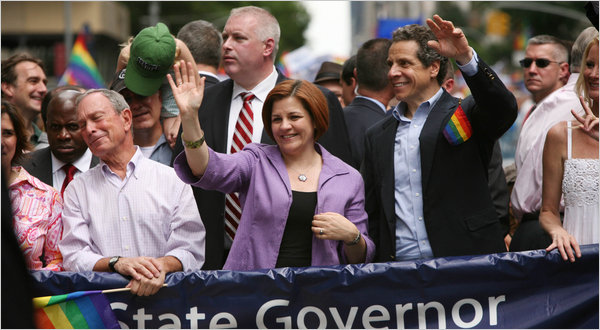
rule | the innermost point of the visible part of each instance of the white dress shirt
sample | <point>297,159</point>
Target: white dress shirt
<point>526,196</point>
<point>260,94</point>
<point>150,213</point>
<point>58,175</point>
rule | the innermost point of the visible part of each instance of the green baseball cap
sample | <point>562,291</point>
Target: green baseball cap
<point>151,56</point>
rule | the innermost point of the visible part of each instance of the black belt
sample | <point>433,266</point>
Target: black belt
<point>535,216</point>
<point>530,216</point>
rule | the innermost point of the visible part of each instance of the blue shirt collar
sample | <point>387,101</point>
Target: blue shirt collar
<point>400,109</point>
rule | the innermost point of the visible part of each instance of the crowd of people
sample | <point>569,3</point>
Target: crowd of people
<point>170,169</point>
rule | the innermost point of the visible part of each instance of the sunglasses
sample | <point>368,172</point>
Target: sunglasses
<point>540,62</point>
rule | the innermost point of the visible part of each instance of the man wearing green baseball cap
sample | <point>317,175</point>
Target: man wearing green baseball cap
<point>152,53</point>
<point>151,56</point>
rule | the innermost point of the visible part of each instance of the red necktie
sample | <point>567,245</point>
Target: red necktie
<point>241,137</point>
<point>70,172</point>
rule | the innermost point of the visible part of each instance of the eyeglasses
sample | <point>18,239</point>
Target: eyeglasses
<point>540,62</point>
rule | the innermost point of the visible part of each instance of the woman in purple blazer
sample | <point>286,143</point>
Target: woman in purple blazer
<point>301,206</point>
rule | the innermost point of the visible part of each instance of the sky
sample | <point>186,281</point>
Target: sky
<point>326,15</point>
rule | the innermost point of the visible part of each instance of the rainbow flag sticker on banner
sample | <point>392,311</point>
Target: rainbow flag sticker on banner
<point>458,129</point>
<point>77,310</point>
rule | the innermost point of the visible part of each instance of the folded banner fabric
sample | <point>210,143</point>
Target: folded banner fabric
<point>77,310</point>
<point>516,290</point>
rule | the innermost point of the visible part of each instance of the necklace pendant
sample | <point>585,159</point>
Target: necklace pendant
<point>302,177</point>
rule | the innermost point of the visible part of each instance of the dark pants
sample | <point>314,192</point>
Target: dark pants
<point>530,235</point>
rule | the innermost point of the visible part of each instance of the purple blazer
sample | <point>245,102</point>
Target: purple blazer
<point>258,173</point>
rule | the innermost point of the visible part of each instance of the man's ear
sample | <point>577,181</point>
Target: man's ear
<point>127,117</point>
<point>8,89</point>
<point>434,69</point>
<point>564,71</point>
<point>448,85</point>
<point>269,47</point>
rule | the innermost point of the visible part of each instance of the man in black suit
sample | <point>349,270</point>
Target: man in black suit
<point>496,176</point>
<point>250,42</point>
<point>426,166</point>
<point>204,42</point>
<point>67,147</point>
<point>348,80</point>
<point>373,94</point>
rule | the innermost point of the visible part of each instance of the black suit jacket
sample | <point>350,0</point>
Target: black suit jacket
<point>360,114</point>
<point>39,164</point>
<point>209,81</point>
<point>214,115</point>
<point>459,215</point>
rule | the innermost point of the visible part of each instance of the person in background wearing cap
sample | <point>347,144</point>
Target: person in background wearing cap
<point>329,77</point>
<point>250,43</point>
<point>152,53</point>
<point>169,113</point>
<point>129,214</point>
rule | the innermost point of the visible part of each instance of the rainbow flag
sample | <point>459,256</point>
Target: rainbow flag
<point>81,69</point>
<point>458,129</point>
<point>77,310</point>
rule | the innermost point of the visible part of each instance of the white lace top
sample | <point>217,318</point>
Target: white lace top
<point>580,192</point>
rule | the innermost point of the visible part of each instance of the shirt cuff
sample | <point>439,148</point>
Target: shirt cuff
<point>187,259</point>
<point>470,69</point>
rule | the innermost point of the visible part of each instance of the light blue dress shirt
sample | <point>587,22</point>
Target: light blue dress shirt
<point>162,152</point>
<point>411,236</point>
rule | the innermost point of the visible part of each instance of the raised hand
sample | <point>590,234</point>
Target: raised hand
<point>589,123</point>
<point>451,42</point>
<point>188,89</point>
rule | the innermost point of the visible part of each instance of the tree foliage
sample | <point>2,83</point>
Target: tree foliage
<point>292,16</point>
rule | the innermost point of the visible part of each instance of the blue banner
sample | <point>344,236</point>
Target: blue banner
<point>387,26</point>
<point>532,289</point>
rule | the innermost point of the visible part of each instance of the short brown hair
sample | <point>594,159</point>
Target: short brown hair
<point>427,55</point>
<point>308,94</point>
<point>8,66</point>
<point>22,136</point>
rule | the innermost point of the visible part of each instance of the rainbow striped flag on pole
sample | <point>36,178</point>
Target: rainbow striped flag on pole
<point>77,310</point>
<point>81,69</point>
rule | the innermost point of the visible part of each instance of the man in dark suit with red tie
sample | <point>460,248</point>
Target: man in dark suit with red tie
<point>250,43</point>
<point>67,155</point>
<point>426,166</point>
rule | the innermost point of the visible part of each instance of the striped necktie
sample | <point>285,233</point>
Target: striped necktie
<point>241,137</point>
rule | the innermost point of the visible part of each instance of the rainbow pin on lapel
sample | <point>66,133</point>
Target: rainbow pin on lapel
<point>458,129</point>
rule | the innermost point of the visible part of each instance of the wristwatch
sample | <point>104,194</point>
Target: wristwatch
<point>112,262</point>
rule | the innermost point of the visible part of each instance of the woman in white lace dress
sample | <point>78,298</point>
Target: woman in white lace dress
<point>571,169</point>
